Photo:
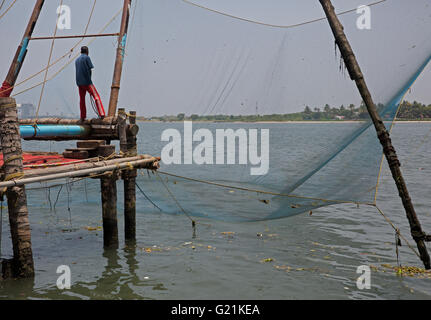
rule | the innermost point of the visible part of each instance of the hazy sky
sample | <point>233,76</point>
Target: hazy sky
<point>184,59</point>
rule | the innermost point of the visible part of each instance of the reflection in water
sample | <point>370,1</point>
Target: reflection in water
<point>16,289</point>
<point>117,281</point>
<point>114,282</point>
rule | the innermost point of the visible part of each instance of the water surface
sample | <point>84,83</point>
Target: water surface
<point>309,257</point>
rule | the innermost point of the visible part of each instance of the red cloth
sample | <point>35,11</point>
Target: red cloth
<point>91,89</point>
<point>5,90</point>
<point>36,159</point>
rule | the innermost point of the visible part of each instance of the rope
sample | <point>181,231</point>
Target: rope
<point>89,19</point>
<point>268,24</point>
<point>397,230</point>
<point>175,199</point>
<point>397,244</point>
<point>11,159</point>
<point>8,105</point>
<point>148,198</point>
<point>13,176</point>
<point>58,60</point>
<point>47,67</point>
<point>6,11</point>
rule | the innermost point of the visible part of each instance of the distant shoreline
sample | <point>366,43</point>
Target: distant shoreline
<point>292,122</point>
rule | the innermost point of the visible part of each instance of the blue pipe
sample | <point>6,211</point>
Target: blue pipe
<point>46,130</point>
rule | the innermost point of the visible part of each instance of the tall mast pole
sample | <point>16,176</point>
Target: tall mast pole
<point>382,133</point>
<point>115,88</point>
<point>18,60</point>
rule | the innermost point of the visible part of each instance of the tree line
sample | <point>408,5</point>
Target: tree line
<point>407,111</point>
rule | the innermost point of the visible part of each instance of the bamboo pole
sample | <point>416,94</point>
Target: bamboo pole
<point>82,166</point>
<point>115,88</point>
<point>151,163</point>
<point>108,121</point>
<point>17,62</point>
<point>22,263</point>
<point>382,133</point>
<point>77,36</point>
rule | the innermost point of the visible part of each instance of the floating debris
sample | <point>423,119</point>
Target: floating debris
<point>93,228</point>
<point>408,271</point>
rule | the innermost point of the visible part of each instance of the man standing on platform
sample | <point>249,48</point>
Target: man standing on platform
<point>83,66</point>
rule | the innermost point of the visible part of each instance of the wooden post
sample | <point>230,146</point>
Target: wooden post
<point>122,130</point>
<point>7,87</point>
<point>109,210</point>
<point>22,263</point>
<point>129,177</point>
<point>356,75</point>
<point>118,69</point>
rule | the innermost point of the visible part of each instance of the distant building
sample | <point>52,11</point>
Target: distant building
<point>26,111</point>
<point>339,117</point>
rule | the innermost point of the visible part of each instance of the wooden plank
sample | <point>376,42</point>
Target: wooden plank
<point>105,151</point>
<point>90,144</point>
<point>76,154</point>
<point>81,149</point>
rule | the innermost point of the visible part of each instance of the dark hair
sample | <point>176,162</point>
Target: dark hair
<point>84,49</point>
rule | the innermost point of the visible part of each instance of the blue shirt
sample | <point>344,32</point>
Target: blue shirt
<point>83,66</point>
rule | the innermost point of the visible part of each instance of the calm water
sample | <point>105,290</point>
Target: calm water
<point>313,257</point>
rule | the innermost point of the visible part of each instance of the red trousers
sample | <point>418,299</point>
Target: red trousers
<point>93,92</point>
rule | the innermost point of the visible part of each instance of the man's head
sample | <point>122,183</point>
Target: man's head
<point>84,50</point>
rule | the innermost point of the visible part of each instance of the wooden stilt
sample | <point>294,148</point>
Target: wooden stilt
<point>22,264</point>
<point>122,130</point>
<point>129,177</point>
<point>109,210</point>
<point>356,75</point>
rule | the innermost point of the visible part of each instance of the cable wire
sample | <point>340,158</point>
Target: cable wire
<point>269,24</point>
<point>6,11</point>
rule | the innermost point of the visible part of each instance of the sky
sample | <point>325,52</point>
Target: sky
<point>181,58</point>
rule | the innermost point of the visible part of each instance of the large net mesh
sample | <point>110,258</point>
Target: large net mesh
<point>184,59</point>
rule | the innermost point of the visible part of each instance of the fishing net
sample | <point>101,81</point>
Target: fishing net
<point>255,61</point>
